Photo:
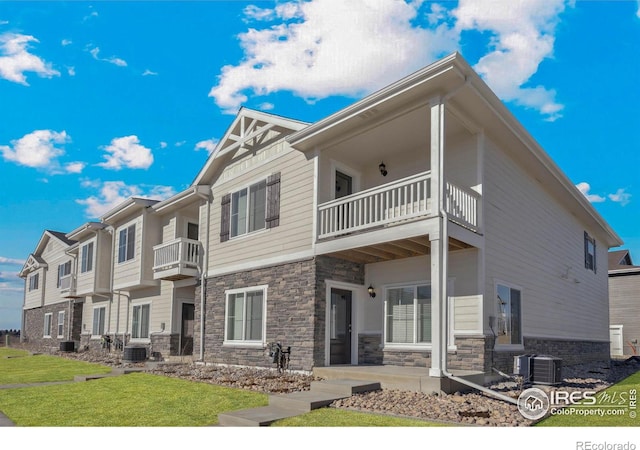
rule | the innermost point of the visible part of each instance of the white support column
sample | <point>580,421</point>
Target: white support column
<point>438,242</point>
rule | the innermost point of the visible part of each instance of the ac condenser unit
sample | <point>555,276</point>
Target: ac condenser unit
<point>546,369</point>
<point>522,366</point>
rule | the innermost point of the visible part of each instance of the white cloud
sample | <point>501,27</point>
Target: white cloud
<point>66,42</point>
<point>163,144</point>
<point>5,260</point>
<point>71,71</point>
<point>127,152</point>
<point>113,193</point>
<point>523,36</point>
<point>180,143</point>
<point>75,167</point>
<point>327,47</point>
<point>95,52</point>
<point>621,196</point>
<point>266,106</point>
<point>593,198</point>
<point>148,72</point>
<point>15,59</point>
<point>209,145</point>
<point>39,149</point>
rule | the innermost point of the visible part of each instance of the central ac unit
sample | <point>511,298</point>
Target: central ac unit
<point>546,369</point>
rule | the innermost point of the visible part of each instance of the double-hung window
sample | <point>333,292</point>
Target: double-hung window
<point>245,314</point>
<point>509,315</point>
<point>98,321</point>
<point>33,281</point>
<point>127,243</point>
<point>408,315</point>
<point>48,318</point>
<point>252,208</point>
<point>60,323</point>
<point>248,208</point>
<point>140,321</point>
<point>589,252</point>
<point>86,258</point>
<point>64,270</point>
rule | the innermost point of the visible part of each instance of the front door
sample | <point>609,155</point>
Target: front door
<point>340,327</point>
<point>186,335</point>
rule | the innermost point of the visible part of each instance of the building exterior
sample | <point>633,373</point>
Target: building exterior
<point>421,226</point>
<point>624,304</point>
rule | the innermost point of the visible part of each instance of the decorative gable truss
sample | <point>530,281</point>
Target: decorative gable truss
<point>32,264</point>
<point>250,131</point>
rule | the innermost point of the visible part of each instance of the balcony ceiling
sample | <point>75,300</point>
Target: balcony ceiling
<point>388,251</point>
<point>408,131</point>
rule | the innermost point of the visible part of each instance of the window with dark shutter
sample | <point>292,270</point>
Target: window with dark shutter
<point>225,216</point>
<point>589,252</point>
<point>273,201</point>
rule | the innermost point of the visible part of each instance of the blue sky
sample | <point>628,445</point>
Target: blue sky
<point>103,100</point>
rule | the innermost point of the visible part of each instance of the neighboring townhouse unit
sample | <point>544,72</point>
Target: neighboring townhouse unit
<point>50,313</point>
<point>624,304</point>
<point>421,226</point>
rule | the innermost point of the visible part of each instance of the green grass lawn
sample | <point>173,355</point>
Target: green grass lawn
<point>18,366</point>
<point>134,400</point>
<point>580,420</point>
<point>333,417</point>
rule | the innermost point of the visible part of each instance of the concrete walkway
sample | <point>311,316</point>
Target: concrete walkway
<point>282,406</point>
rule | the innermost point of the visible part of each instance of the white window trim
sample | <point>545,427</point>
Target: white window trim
<point>509,347</point>
<point>135,243</point>
<point>247,344</point>
<point>60,335</point>
<point>93,335</point>
<point>44,331</point>
<point>93,256</point>
<point>266,199</point>
<point>400,346</point>
<point>138,339</point>
<point>37,282</point>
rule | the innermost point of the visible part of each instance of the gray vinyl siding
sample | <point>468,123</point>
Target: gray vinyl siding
<point>624,307</point>
<point>294,232</point>
<point>531,241</point>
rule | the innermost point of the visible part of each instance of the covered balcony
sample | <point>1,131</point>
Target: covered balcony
<point>177,259</point>
<point>394,203</point>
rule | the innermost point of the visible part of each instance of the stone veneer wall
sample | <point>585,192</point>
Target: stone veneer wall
<point>164,344</point>
<point>290,315</point>
<point>370,349</point>
<point>570,351</point>
<point>33,332</point>
<point>296,302</point>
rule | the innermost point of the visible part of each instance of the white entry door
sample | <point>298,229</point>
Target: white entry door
<point>615,336</point>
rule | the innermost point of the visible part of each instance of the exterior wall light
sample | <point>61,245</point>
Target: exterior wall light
<point>372,291</point>
<point>383,169</point>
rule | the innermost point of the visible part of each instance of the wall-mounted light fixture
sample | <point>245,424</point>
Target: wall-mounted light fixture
<point>371,291</point>
<point>383,169</point>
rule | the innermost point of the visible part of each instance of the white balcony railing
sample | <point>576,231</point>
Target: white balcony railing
<point>462,206</point>
<point>68,285</point>
<point>392,202</point>
<point>181,253</point>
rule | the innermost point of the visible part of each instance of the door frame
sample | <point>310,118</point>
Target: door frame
<point>356,294</point>
<point>621,328</point>
<point>183,302</point>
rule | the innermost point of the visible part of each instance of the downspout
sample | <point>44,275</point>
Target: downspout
<point>444,311</point>
<point>203,273</point>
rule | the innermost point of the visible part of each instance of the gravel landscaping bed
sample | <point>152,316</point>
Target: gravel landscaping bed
<point>471,408</point>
